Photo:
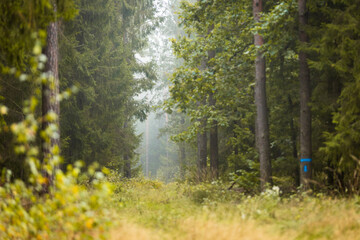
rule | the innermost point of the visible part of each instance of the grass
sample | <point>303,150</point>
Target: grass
<point>152,210</point>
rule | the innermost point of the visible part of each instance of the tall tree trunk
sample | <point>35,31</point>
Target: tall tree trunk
<point>262,126</point>
<point>214,148</point>
<point>202,138</point>
<point>127,159</point>
<point>236,147</point>
<point>201,149</point>
<point>305,112</point>
<point>50,90</point>
<point>293,132</point>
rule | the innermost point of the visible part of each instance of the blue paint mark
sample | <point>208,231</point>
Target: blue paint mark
<point>305,160</point>
<point>305,168</point>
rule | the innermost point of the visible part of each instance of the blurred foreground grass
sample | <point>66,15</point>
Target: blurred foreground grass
<point>152,210</point>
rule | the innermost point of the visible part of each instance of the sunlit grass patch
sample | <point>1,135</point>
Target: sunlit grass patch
<point>210,211</point>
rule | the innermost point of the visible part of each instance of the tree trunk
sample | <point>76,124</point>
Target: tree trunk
<point>50,91</point>
<point>182,154</point>
<point>202,138</point>
<point>127,166</point>
<point>214,148</point>
<point>202,150</point>
<point>305,112</point>
<point>262,127</point>
<point>236,147</point>
<point>293,132</point>
<point>147,147</point>
<point>127,159</point>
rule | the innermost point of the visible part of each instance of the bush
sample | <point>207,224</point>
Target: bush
<point>69,211</point>
<point>50,204</point>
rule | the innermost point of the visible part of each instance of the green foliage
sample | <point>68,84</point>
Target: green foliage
<point>22,26</point>
<point>69,211</point>
<point>247,180</point>
<point>20,19</point>
<point>51,204</point>
<point>229,78</point>
<point>227,28</point>
<point>98,55</point>
<point>336,61</point>
<point>210,194</point>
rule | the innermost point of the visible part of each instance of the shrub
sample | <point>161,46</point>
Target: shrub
<point>51,204</point>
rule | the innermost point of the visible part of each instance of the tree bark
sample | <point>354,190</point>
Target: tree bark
<point>127,166</point>
<point>201,149</point>
<point>305,95</point>
<point>182,154</point>
<point>50,90</point>
<point>293,132</point>
<point>127,159</point>
<point>147,147</point>
<point>202,137</point>
<point>214,148</point>
<point>262,126</point>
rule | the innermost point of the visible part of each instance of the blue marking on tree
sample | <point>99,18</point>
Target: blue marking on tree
<point>305,168</point>
<point>305,160</point>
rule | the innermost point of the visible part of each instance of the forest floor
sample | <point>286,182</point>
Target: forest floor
<point>152,210</point>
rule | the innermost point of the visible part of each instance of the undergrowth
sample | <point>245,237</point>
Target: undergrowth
<point>68,211</point>
<point>154,210</point>
<point>49,203</point>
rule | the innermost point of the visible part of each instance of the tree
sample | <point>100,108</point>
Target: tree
<point>214,144</point>
<point>305,94</point>
<point>50,93</point>
<point>221,82</point>
<point>201,147</point>
<point>98,56</point>
<point>127,160</point>
<point>262,126</point>
<point>23,30</point>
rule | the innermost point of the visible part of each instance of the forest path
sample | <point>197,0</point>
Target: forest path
<point>190,229</point>
<point>151,210</point>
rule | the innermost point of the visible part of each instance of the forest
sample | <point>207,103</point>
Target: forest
<point>180,119</point>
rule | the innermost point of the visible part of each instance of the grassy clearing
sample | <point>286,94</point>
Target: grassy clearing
<point>152,210</point>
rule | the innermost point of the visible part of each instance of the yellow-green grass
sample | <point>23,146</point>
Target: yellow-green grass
<point>152,210</point>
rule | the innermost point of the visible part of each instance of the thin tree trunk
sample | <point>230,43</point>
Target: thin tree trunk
<point>202,138</point>
<point>262,127</point>
<point>305,112</point>
<point>147,147</point>
<point>182,154</point>
<point>50,90</point>
<point>236,147</point>
<point>214,148</point>
<point>127,159</point>
<point>127,167</point>
<point>201,149</point>
<point>293,132</point>
<point>292,129</point>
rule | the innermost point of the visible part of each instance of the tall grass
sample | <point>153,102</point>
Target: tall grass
<point>152,210</point>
